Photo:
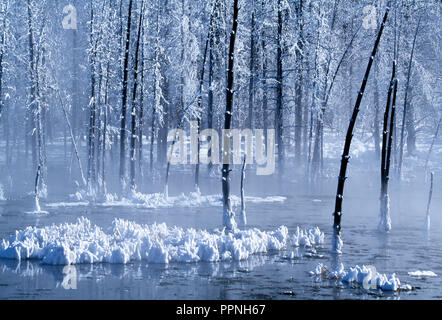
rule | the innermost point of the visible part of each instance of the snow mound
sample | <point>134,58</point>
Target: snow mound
<point>366,276</point>
<point>308,238</point>
<point>127,241</point>
<point>422,274</point>
<point>159,200</point>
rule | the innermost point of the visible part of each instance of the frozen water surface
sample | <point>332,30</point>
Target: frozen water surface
<point>267,274</point>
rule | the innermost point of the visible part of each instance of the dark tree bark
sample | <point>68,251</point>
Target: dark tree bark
<point>279,92</point>
<point>228,214</point>
<point>387,134</point>
<point>91,178</point>
<point>105,123</point>
<point>156,84</point>
<point>264,80</point>
<point>141,116</point>
<point>252,72</point>
<point>298,83</point>
<point>210,98</point>
<point>337,242</point>
<point>152,138</point>
<point>35,106</point>
<point>36,189</point>
<point>136,75</point>
<point>33,96</point>
<point>124,102</point>
<point>243,200</point>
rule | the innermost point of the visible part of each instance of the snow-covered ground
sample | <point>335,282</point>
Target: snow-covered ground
<point>126,241</point>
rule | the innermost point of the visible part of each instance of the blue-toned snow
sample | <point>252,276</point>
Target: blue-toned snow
<point>126,241</point>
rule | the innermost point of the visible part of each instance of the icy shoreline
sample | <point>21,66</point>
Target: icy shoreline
<point>126,241</point>
<point>159,200</point>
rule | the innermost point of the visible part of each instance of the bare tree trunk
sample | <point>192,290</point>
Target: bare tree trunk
<point>387,134</point>
<point>428,223</point>
<point>152,140</point>
<point>92,112</point>
<point>279,93</point>
<point>134,103</point>
<point>141,119</point>
<point>36,190</point>
<point>210,99</point>
<point>105,122</point>
<point>299,82</point>
<point>156,88</point>
<point>252,71</point>
<point>337,241</point>
<point>228,214</point>
<point>243,201</point>
<point>264,84</point>
<point>36,110</point>
<point>124,102</point>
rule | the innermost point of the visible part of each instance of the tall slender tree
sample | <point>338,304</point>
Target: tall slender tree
<point>124,98</point>
<point>228,214</point>
<point>337,241</point>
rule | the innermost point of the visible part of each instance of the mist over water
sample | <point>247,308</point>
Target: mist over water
<point>408,247</point>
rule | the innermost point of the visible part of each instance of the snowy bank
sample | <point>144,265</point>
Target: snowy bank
<point>126,241</point>
<point>159,200</point>
<point>366,276</point>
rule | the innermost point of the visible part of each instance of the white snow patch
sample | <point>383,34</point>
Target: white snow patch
<point>366,276</point>
<point>428,222</point>
<point>160,200</point>
<point>308,238</point>
<point>422,274</point>
<point>125,241</point>
<point>384,218</point>
<point>2,195</point>
<point>37,212</point>
<point>337,243</point>
<point>67,204</point>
